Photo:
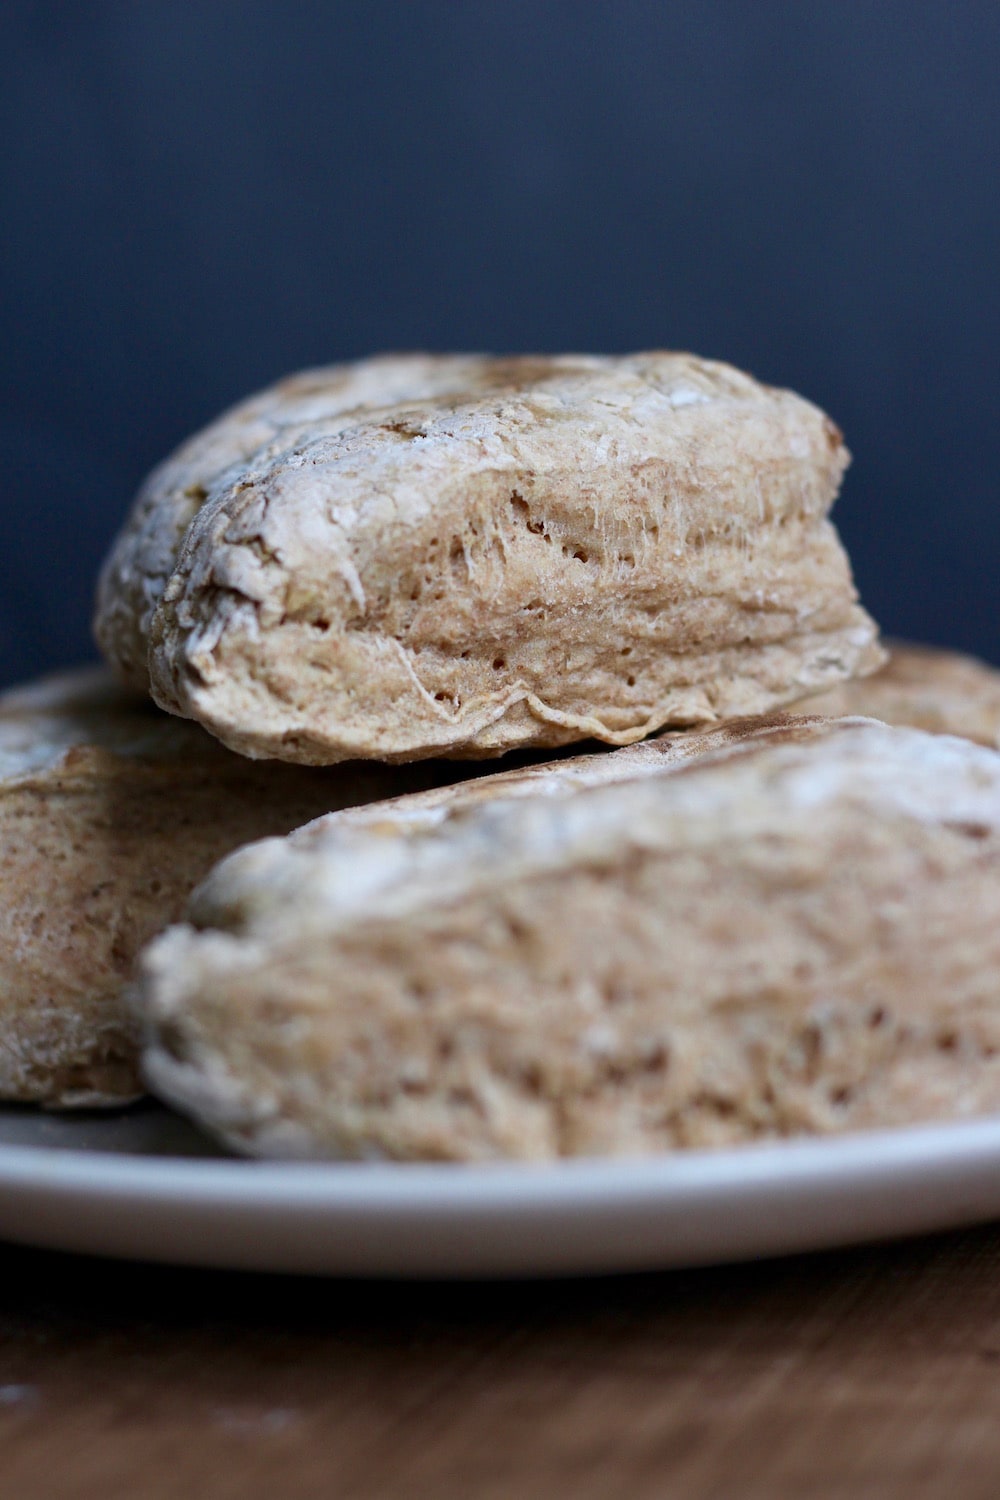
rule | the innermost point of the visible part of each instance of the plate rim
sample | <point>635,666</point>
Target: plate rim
<point>799,1162</point>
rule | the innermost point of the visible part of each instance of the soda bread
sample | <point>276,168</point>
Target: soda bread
<point>145,553</point>
<point>943,692</point>
<point>766,930</point>
<point>531,552</point>
<point>110,812</point>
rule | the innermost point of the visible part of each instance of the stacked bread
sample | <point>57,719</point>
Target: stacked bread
<point>744,922</point>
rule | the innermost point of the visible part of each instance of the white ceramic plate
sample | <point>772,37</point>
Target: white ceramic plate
<point>144,1184</point>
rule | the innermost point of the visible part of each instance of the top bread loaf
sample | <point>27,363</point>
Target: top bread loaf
<point>459,555</point>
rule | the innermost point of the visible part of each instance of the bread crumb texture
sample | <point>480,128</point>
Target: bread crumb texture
<point>110,813</point>
<point>763,931</point>
<point>459,555</point>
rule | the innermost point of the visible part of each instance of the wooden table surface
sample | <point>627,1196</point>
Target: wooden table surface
<point>871,1373</point>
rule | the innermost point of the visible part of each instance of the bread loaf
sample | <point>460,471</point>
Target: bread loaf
<point>521,552</point>
<point>772,929</point>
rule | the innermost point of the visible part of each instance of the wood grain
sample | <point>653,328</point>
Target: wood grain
<point>866,1374</point>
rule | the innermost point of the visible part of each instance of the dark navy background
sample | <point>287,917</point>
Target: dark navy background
<point>196,198</point>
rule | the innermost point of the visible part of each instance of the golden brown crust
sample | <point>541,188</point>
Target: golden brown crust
<point>555,550</point>
<point>110,812</point>
<point>746,936</point>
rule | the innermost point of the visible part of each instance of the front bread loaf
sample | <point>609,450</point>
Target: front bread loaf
<point>772,929</point>
<point>538,551</point>
<point>110,812</point>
